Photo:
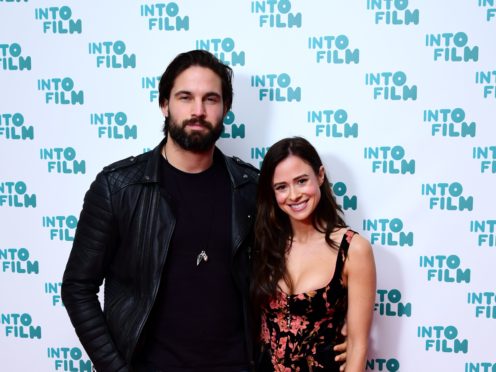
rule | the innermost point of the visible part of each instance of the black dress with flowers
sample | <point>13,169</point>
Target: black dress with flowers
<point>300,331</point>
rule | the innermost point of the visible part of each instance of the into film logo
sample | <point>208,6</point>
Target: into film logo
<point>60,91</point>
<point>484,304</point>
<point>223,49</point>
<point>257,154</point>
<point>447,196</point>
<point>14,194</point>
<point>449,123</point>
<point>442,339</point>
<point>54,291</point>
<point>388,232</point>
<point>150,85</point>
<point>389,160</point>
<point>62,160</point>
<point>332,123</point>
<point>388,304</point>
<point>276,14</point>
<point>333,50</point>
<point>393,12</point>
<point>381,364</point>
<point>164,17</point>
<point>61,227</point>
<point>344,199</point>
<point>445,269</point>
<point>231,129</point>
<point>485,231</point>
<point>113,125</point>
<point>488,81</point>
<point>275,88</point>
<point>13,127</point>
<point>487,157</point>
<point>452,47</point>
<point>58,20</point>
<point>16,261</point>
<point>69,359</point>
<point>390,86</point>
<point>11,59</point>
<point>20,325</point>
<point>490,13</point>
<point>112,54</point>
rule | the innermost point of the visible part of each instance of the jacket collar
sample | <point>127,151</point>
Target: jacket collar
<point>237,175</point>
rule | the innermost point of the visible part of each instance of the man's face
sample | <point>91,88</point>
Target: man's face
<point>195,109</point>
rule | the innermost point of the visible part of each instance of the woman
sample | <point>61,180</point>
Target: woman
<point>311,272</point>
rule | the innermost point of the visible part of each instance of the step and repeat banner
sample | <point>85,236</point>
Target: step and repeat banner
<point>398,96</point>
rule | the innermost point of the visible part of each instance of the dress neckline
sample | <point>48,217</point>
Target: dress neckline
<point>312,292</point>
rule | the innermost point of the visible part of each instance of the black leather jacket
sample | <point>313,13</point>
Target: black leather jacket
<point>122,237</point>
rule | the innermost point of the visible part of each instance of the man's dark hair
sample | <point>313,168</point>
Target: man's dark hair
<point>200,58</point>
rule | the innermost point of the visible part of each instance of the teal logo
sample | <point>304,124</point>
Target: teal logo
<point>449,123</point>
<point>485,231</point>
<point>381,364</point>
<point>11,59</point>
<point>60,91</point>
<point>388,232</point>
<point>53,290</point>
<point>58,20</point>
<point>393,12</point>
<point>13,127</point>
<point>20,326</point>
<point>488,81</point>
<point>276,14</point>
<point>112,55</point>
<point>61,227</point>
<point>62,160</point>
<point>333,50</point>
<point>480,367</point>
<point>14,194</point>
<point>231,128</point>
<point>257,154</point>
<point>275,88</point>
<point>150,86</point>
<point>445,269</point>
<point>389,304</point>
<point>442,339</point>
<point>345,200</point>
<point>164,17</point>
<point>16,261</point>
<point>490,14</point>
<point>223,49</point>
<point>447,196</point>
<point>484,304</point>
<point>332,123</point>
<point>487,157</point>
<point>114,125</point>
<point>389,160</point>
<point>69,359</point>
<point>452,47</point>
<point>390,86</point>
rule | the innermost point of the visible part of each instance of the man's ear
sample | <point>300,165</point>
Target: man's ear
<point>165,108</point>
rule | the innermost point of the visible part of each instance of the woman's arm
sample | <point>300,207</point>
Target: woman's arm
<point>360,276</point>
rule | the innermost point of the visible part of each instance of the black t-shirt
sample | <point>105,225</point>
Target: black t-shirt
<point>197,320</point>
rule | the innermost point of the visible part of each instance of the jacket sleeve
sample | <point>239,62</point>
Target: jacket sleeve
<point>86,268</point>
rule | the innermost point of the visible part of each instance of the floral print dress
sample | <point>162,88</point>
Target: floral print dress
<point>299,331</point>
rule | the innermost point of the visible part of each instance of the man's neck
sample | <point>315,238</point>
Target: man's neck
<point>185,160</point>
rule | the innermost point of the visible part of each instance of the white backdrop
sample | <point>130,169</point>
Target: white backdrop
<point>398,96</point>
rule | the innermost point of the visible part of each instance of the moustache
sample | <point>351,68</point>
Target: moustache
<point>198,121</point>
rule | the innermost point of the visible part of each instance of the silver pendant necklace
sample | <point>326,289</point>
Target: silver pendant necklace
<point>202,256</point>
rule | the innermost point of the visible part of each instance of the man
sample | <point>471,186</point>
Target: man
<point>170,233</point>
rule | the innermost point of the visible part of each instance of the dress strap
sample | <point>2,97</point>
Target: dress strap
<point>343,250</point>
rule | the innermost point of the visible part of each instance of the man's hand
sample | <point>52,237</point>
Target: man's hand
<point>341,349</point>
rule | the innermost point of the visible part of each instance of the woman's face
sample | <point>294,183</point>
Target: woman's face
<point>297,188</point>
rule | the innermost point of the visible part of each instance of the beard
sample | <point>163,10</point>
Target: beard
<point>195,141</point>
